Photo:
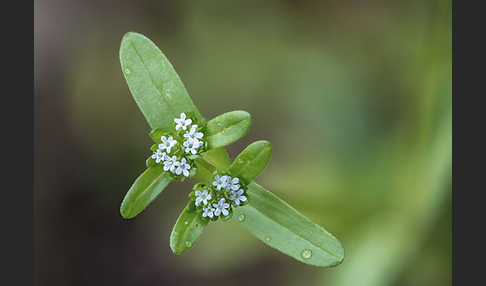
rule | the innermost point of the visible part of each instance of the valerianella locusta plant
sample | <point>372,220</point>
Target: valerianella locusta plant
<point>189,147</point>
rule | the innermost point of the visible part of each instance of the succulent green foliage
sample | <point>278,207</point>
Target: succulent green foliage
<point>162,97</point>
<point>227,128</point>
<point>188,227</point>
<point>251,161</point>
<point>153,82</point>
<point>143,191</point>
<point>277,224</point>
<point>156,133</point>
<point>217,157</point>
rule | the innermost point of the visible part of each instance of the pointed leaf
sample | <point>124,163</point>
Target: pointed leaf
<point>143,191</point>
<point>251,161</point>
<point>189,226</point>
<point>226,128</point>
<point>153,82</point>
<point>277,224</point>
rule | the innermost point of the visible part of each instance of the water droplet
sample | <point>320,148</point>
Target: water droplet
<point>186,222</point>
<point>268,239</point>
<point>241,218</point>
<point>306,253</point>
<point>188,243</point>
<point>127,71</point>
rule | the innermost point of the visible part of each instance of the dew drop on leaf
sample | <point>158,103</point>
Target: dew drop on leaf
<point>241,218</point>
<point>186,222</point>
<point>306,253</point>
<point>268,239</point>
<point>188,243</point>
<point>127,71</point>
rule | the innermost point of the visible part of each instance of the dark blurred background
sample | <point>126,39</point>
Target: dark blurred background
<point>354,95</point>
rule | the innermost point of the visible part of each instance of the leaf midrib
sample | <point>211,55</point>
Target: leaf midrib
<point>248,162</point>
<point>156,179</point>
<point>157,88</point>
<point>297,234</point>
<point>225,128</point>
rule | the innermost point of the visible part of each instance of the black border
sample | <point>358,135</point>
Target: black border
<point>18,136</point>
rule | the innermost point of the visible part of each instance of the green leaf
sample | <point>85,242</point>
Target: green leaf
<point>251,161</point>
<point>143,191</point>
<point>204,170</point>
<point>153,82</point>
<point>156,133</point>
<point>226,128</point>
<point>217,157</point>
<point>189,226</point>
<point>280,226</point>
<point>150,162</point>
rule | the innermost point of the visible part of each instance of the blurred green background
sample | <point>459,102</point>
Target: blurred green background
<point>354,95</point>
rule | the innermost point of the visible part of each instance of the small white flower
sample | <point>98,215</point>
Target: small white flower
<point>159,156</point>
<point>221,182</point>
<point>221,207</point>
<point>192,134</point>
<point>208,212</point>
<point>237,197</point>
<point>192,145</point>
<point>233,184</point>
<point>203,197</point>
<point>169,163</point>
<point>181,167</point>
<point>182,122</point>
<point>167,143</point>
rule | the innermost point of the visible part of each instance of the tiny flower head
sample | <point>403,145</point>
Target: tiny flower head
<point>191,145</point>
<point>159,156</point>
<point>193,134</point>
<point>181,167</point>
<point>167,143</point>
<point>169,163</point>
<point>203,197</point>
<point>237,197</point>
<point>233,184</point>
<point>221,208</point>
<point>208,212</point>
<point>221,182</point>
<point>182,122</point>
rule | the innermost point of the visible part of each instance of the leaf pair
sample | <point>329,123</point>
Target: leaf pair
<point>161,96</point>
<point>221,131</point>
<point>247,166</point>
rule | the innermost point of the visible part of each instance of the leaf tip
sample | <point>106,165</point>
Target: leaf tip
<point>127,35</point>
<point>174,246</point>
<point>125,212</point>
<point>339,259</point>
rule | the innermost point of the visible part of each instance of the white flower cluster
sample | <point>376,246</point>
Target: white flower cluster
<point>193,138</point>
<point>193,141</point>
<point>232,186</point>
<point>214,203</point>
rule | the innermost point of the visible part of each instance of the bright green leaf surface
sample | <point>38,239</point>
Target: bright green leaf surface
<point>277,224</point>
<point>153,82</point>
<point>217,157</point>
<point>143,191</point>
<point>204,170</point>
<point>156,133</point>
<point>251,161</point>
<point>226,128</point>
<point>189,226</point>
